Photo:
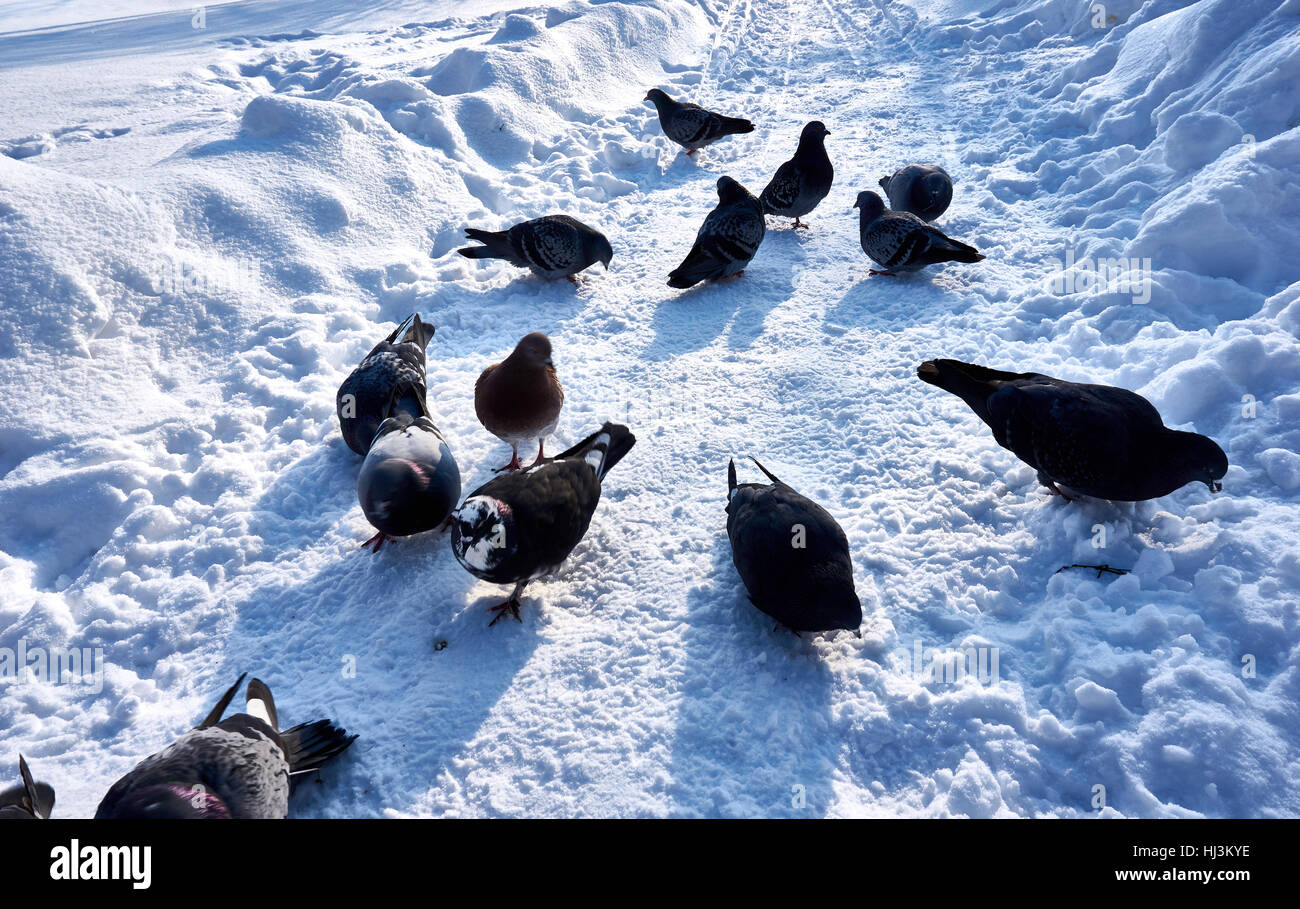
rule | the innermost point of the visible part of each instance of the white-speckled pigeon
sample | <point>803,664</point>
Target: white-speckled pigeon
<point>555,246</point>
<point>923,190</point>
<point>409,481</point>
<point>523,525</point>
<point>1091,440</point>
<point>364,397</point>
<point>726,241</point>
<point>804,180</point>
<point>691,126</point>
<point>792,556</point>
<point>239,767</point>
<point>901,242</point>
<point>29,800</point>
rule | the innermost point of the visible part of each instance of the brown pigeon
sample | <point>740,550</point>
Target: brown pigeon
<point>519,399</point>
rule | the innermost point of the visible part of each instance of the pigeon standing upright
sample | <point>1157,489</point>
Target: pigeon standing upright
<point>792,556</point>
<point>923,190</point>
<point>555,246</point>
<point>901,242</point>
<point>364,397</point>
<point>804,180</point>
<point>520,398</point>
<point>409,481</point>
<point>523,525</point>
<point>691,126</point>
<point>1092,440</point>
<point>726,241</point>
<point>239,767</point>
<point>29,799</point>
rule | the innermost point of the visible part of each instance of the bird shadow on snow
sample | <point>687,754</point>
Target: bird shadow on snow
<point>752,736</point>
<point>399,628</point>
<point>737,306</point>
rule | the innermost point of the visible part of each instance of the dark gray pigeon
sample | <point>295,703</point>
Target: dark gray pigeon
<point>691,126</point>
<point>1089,440</point>
<point>239,767</point>
<point>409,482</point>
<point>29,800</point>
<point>804,180</point>
<point>364,397</point>
<point>726,241</point>
<point>523,525</point>
<point>555,246</point>
<point>901,242</point>
<point>924,190</point>
<point>792,556</point>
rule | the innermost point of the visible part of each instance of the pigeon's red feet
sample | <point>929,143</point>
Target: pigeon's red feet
<point>573,279</point>
<point>541,453</point>
<point>797,225</point>
<point>378,541</point>
<point>514,464</point>
<point>509,607</point>
<point>1055,490</point>
<point>446,525</point>
<point>735,276</point>
<point>884,272</point>
<point>691,152</point>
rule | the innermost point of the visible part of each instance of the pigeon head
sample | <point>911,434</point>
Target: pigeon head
<point>731,191</point>
<point>934,187</point>
<point>814,131</point>
<point>870,204</point>
<point>1199,458</point>
<point>658,97</point>
<point>171,801</point>
<point>533,349</point>
<point>482,533</point>
<point>598,248</point>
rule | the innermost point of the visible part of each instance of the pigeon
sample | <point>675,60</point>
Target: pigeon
<point>727,240</point>
<point>804,180</point>
<point>521,526</point>
<point>691,126</point>
<point>519,399</point>
<point>363,399</point>
<point>27,801</point>
<point>555,246</point>
<point>919,189</point>
<point>792,556</point>
<point>1084,440</point>
<point>409,482</point>
<point>239,767</point>
<point>902,242</point>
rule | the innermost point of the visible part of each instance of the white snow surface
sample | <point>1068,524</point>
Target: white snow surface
<point>202,230</point>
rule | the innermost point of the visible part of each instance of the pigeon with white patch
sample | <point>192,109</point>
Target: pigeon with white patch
<point>727,240</point>
<point>901,242</point>
<point>555,246</point>
<point>792,556</point>
<point>1084,440</point>
<point>520,398</point>
<point>239,767</point>
<point>924,190</point>
<point>364,397</point>
<point>521,526</point>
<point>409,481</point>
<point>691,126</point>
<point>29,800</point>
<point>804,180</point>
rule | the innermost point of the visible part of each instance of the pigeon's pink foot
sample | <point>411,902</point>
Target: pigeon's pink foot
<point>692,152</point>
<point>509,607</point>
<point>378,541</point>
<point>541,444</point>
<point>797,225</point>
<point>515,464</point>
<point>735,276</point>
<point>573,279</point>
<point>446,525</point>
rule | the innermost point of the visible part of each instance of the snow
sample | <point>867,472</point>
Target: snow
<point>202,230</point>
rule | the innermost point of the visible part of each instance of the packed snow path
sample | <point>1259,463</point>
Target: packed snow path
<point>193,510</point>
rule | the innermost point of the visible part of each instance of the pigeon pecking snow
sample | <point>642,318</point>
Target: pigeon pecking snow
<point>523,525</point>
<point>364,398</point>
<point>792,556</point>
<point>1089,440</point>
<point>691,126</point>
<point>555,246</point>
<point>923,190</point>
<point>902,242</point>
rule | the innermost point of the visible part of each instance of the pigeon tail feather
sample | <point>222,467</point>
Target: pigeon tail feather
<point>613,441</point>
<point>495,245</point>
<point>308,746</point>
